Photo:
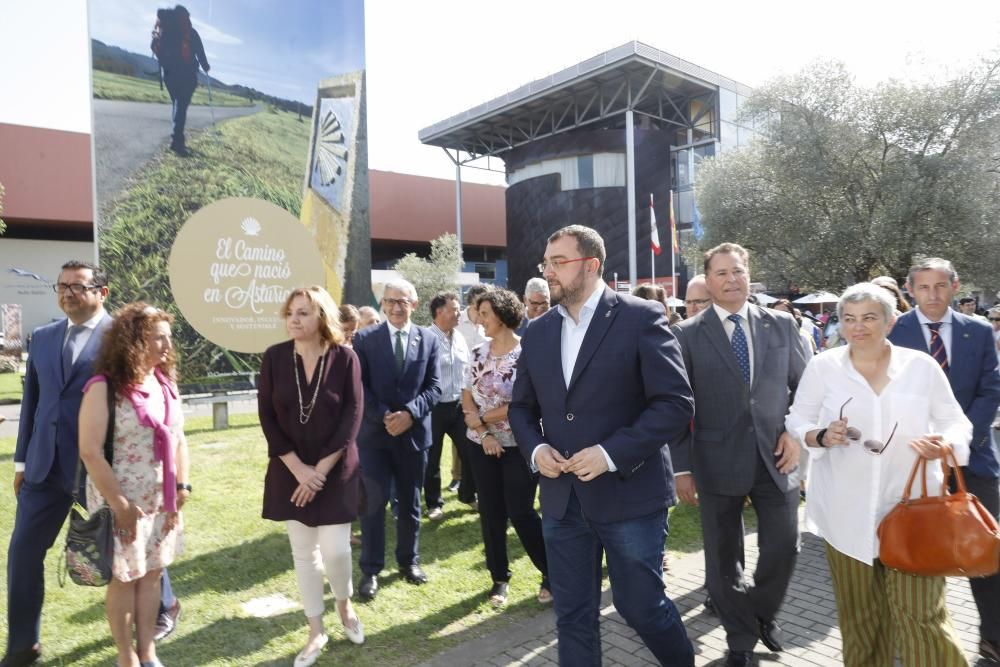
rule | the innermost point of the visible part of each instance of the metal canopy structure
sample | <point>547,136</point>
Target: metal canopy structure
<point>633,76</point>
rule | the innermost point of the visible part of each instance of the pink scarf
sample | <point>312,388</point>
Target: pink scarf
<point>162,442</point>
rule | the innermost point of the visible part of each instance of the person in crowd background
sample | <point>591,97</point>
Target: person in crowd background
<point>652,292</point>
<point>399,372</point>
<point>605,375</point>
<point>368,317</point>
<point>446,417</point>
<point>506,484</point>
<point>744,363</point>
<point>889,283</point>
<point>785,306</point>
<point>696,299</point>
<point>967,306</point>
<point>963,347</point>
<point>310,404</point>
<point>537,302</point>
<point>994,318</point>
<point>148,480</point>
<point>868,409</point>
<point>180,52</point>
<point>350,318</point>
<point>472,332</point>
<point>46,452</point>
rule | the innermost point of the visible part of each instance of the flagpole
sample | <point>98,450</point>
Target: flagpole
<point>673,250</point>
<point>652,266</point>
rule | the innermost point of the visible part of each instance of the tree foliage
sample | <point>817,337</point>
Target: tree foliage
<point>846,183</point>
<point>437,273</point>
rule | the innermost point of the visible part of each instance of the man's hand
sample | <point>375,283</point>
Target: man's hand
<point>549,462</point>
<point>587,464</point>
<point>397,423</point>
<point>18,481</point>
<point>686,489</point>
<point>787,452</point>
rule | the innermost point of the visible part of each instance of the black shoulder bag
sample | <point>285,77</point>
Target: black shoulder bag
<point>90,539</point>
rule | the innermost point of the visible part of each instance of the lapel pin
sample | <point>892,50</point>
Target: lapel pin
<point>965,335</point>
<point>767,324</point>
<point>607,314</point>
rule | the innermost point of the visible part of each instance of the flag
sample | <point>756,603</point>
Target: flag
<point>673,226</point>
<point>696,227</point>
<point>654,236</point>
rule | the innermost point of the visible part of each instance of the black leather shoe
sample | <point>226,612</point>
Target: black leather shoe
<point>368,586</point>
<point>413,574</point>
<point>990,650</point>
<point>739,658</point>
<point>710,606</point>
<point>770,635</point>
<point>22,658</point>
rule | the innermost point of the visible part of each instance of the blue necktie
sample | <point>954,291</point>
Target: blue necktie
<point>740,349</point>
<point>69,349</point>
<point>937,346</point>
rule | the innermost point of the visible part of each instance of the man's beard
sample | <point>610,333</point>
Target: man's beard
<point>567,294</point>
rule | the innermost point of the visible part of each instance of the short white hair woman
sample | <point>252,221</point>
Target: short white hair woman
<point>867,410</point>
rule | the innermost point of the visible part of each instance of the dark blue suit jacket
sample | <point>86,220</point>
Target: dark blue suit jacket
<point>972,372</point>
<point>417,389</point>
<point>628,392</point>
<point>50,406</point>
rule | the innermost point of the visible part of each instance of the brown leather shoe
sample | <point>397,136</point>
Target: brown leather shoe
<point>23,657</point>
<point>166,622</point>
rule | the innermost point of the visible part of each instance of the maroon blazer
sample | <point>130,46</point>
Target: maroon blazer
<point>333,426</point>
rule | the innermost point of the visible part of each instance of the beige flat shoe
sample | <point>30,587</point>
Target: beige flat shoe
<point>309,659</point>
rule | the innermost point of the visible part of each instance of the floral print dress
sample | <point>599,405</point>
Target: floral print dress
<point>140,476</point>
<point>490,379</point>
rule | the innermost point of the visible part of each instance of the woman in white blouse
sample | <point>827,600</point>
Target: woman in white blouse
<point>867,410</point>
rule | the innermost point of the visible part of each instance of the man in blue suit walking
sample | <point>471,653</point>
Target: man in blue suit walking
<point>46,453</point>
<point>964,348</point>
<point>399,371</point>
<point>600,389</point>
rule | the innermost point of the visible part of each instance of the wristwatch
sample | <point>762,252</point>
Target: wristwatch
<point>819,437</point>
<point>184,487</point>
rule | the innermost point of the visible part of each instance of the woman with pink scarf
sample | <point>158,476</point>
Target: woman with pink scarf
<point>147,482</point>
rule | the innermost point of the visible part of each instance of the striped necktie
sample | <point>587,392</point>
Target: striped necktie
<point>937,346</point>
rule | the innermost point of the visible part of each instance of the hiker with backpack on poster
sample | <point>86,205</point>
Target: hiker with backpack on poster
<point>179,51</point>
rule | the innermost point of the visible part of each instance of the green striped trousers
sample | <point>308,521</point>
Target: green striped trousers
<point>881,610</point>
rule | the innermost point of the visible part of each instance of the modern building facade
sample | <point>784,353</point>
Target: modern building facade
<point>591,143</point>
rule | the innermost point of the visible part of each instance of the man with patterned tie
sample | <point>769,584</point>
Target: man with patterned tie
<point>744,363</point>
<point>400,374</point>
<point>963,347</point>
<point>46,452</point>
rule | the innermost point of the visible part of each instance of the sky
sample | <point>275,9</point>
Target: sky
<point>429,60</point>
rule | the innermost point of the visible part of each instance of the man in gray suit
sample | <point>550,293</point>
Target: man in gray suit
<point>744,364</point>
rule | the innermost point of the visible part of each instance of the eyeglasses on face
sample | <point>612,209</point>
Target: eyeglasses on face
<point>554,264</point>
<point>994,319</point>
<point>393,303</point>
<point>696,302</point>
<point>75,288</point>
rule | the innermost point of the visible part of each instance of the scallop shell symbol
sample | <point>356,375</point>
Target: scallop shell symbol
<point>331,149</point>
<point>250,226</point>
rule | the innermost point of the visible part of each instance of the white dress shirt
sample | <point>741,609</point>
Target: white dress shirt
<point>452,361</point>
<point>944,331</point>
<point>473,333</point>
<point>849,490</point>
<point>406,337</point>
<point>730,327</point>
<point>85,333</point>
<point>573,334</point>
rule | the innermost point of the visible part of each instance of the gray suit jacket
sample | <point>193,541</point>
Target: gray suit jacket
<point>734,424</point>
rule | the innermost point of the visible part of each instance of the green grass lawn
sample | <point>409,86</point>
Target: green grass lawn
<point>108,86</point>
<point>10,386</point>
<point>232,556</point>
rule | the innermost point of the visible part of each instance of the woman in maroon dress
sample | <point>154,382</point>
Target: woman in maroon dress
<point>310,404</point>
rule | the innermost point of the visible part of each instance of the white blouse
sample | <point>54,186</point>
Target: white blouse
<point>850,490</point>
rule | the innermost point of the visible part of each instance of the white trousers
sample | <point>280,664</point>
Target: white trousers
<point>316,550</point>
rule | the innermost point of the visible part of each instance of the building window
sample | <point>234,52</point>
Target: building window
<point>585,171</point>
<point>486,271</point>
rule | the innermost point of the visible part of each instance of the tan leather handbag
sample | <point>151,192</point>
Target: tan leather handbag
<point>947,535</point>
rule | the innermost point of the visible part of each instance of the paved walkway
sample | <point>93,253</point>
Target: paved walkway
<point>808,619</point>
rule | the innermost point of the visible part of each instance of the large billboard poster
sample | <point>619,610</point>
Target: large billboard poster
<point>229,127</point>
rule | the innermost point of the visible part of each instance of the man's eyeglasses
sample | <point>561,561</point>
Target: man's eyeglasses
<point>554,264</point>
<point>392,303</point>
<point>994,319</point>
<point>854,435</point>
<point>76,288</point>
<point>696,302</point>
